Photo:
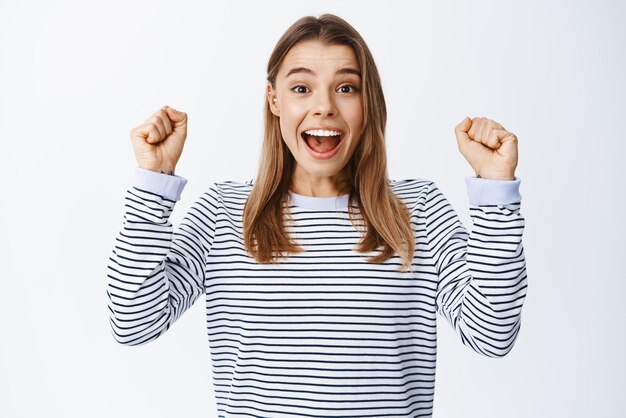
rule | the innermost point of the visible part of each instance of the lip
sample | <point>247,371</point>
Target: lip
<point>325,127</point>
<point>324,155</point>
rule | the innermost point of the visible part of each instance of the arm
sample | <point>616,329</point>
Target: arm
<point>155,274</point>
<point>481,275</point>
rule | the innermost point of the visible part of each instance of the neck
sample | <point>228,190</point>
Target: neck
<point>307,184</point>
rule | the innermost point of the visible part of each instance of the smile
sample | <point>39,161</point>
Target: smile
<point>323,147</point>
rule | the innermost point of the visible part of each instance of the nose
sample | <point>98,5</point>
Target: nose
<point>324,105</point>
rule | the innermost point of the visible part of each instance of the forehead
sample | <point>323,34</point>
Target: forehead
<point>319,57</point>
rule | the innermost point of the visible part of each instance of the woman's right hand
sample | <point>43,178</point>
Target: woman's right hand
<point>158,142</point>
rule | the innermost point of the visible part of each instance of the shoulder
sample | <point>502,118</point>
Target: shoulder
<point>235,185</point>
<point>416,193</point>
<point>230,190</point>
<point>411,190</point>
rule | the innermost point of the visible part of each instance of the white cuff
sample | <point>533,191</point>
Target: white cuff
<point>492,192</point>
<point>169,186</point>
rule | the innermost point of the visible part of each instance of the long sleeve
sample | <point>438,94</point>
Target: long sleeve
<point>481,274</point>
<point>154,273</point>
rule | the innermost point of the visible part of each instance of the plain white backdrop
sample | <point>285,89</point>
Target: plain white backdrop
<point>76,77</point>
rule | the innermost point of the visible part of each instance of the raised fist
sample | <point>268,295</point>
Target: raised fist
<point>490,149</point>
<point>158,141</point>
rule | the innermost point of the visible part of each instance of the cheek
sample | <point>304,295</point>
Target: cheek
<point>288,129</point>
<point>353,114</point>
<point>289,133</point>
<point>290,121</point>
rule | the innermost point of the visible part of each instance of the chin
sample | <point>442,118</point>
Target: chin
<point>321,169</point>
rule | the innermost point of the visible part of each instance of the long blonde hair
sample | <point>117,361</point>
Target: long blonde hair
<point>385,217</point>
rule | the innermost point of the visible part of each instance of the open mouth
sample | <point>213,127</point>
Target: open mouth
<point>322,144</point>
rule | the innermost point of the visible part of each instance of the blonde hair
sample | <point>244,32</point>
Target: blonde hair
<point>385,217</point>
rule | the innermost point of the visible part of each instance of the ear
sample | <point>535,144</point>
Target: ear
<point>273,101</point>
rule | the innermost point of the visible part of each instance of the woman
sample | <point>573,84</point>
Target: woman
<point>322,277</point>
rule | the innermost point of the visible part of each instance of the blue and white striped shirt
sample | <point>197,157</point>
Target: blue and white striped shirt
<point>322,333</point>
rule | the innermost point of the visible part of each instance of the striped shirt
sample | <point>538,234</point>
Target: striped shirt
<point>322,333</point>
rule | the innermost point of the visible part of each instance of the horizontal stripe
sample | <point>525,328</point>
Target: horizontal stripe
<point>321,333</point>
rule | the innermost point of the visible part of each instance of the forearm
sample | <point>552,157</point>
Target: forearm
<point>490,313</point>
<point>137,288</point>
<point>482,274</point>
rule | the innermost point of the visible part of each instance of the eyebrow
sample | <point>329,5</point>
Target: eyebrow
<point>308,71</point>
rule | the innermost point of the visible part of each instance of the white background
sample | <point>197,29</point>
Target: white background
<point>75,77</point>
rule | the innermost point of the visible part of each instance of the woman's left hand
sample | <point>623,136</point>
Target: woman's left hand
<point>490,149</point>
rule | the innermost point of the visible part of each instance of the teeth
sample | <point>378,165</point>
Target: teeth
<point>322,132</point>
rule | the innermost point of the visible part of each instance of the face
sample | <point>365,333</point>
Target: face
<point>318,86</point>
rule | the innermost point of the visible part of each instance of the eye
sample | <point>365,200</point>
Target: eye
<point>349,86</point>
<point>299,86</point>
